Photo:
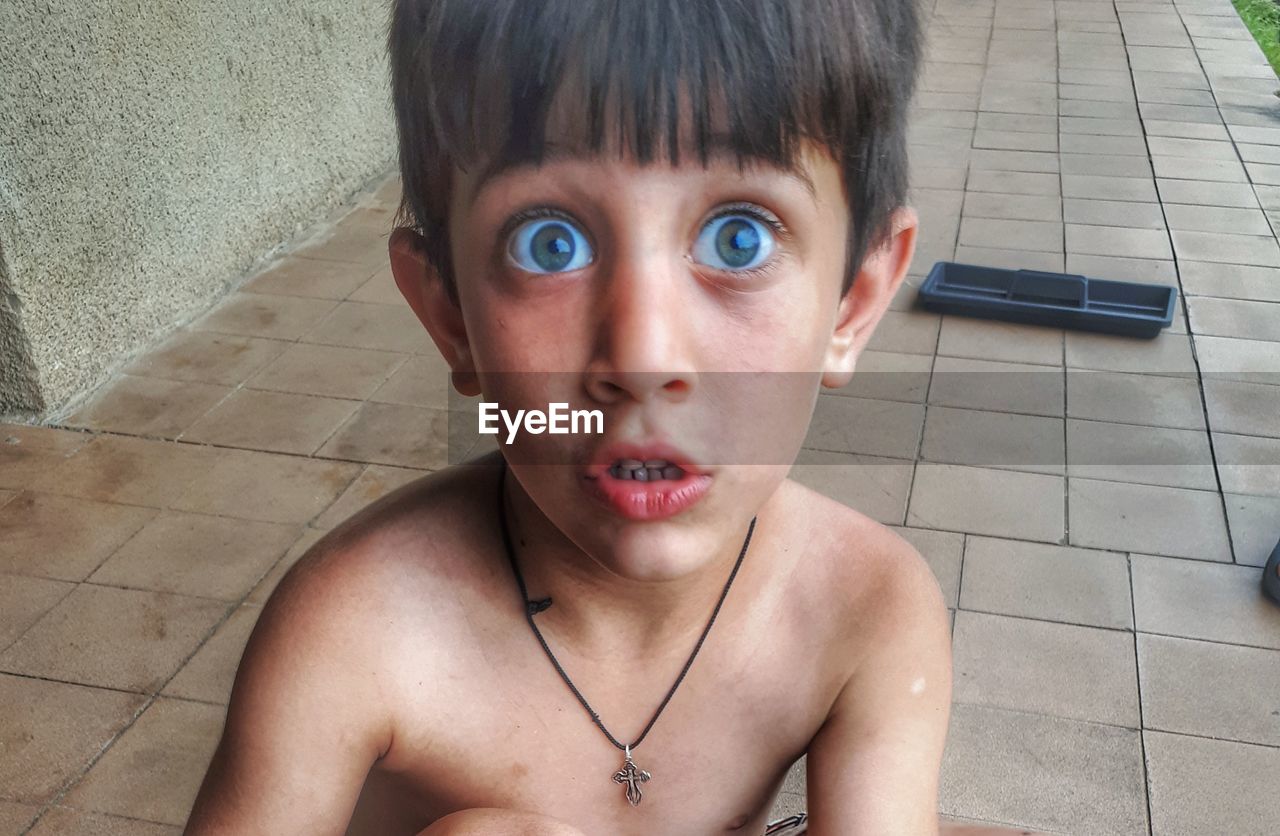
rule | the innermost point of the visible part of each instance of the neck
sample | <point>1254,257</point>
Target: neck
<point>597,614</point>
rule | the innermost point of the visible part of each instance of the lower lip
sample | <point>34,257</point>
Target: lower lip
<point>643,501</point>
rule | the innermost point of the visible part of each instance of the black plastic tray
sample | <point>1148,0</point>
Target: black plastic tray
<point>1067,301</point>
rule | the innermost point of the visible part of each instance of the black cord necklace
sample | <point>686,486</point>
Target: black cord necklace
<point>630,774</point>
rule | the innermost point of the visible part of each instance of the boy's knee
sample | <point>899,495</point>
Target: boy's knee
<point>496,822</point>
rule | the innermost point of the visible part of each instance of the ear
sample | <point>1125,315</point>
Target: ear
<point>424,289</point>
<point>877,281</point>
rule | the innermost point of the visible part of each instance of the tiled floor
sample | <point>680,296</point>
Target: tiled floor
<point>1094,507</point>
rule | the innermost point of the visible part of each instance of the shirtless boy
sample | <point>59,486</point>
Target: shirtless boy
<point>687,214</point>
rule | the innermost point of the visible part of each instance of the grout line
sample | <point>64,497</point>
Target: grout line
<point>1142,720</point>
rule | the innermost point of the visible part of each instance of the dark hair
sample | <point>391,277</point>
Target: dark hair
<point>474,81</point>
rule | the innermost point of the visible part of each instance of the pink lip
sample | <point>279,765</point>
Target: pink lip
<point>645,501</point>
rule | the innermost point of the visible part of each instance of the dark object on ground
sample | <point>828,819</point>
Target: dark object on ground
<point>1271,576</point>
<point>1067,301</point>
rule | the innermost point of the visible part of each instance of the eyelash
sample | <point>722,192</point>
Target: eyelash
<point>750,210</point>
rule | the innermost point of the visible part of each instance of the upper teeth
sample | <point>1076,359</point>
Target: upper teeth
<point>645,471</point>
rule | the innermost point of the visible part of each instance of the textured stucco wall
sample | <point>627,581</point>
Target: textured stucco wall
<point>152,151</point>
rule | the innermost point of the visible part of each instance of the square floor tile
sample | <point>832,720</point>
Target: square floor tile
<point>906,332</point>
<point>154,770</point>
<point>262,315</point>
<point>1001,503</point>
<point>1147,455</point>
<point>1226,358</point>
<point>1148,518</point>
<point>293,276</point>
<point>1124,398</point>
<point>15,817</point>
<point>206,357</point>
<point>423,380</point>
<point>379,289</point>
<point>328,371</point>
<point>373,327</point>
<point>195,554</point>
<point>997,387</point>
<point>280,422</point>
<point>64,821</point>
<point>889,376</point>
<point>1125,242</point>
<point>27,452</point>
<point>1209,689</point>
<point>147,406</point>
<point>130,471</point>
<point>393,434</point>
<point>23,601</point>
<point>1235,318</point>
<point>1248,464</point>
<point>62,537</point>
<point>51,732</point>
<point>1197,600</point>
<point>874,486</point>
<point>1243,408</point>
<point>1062,670</point>
<point>359,244</point>
<point>265,486</point>
<point>943,551</point>
<point>993,439</point>
<point>209,675</point>
<point>1045,773</point>
<point>1255,527</point>
<point>1052,583</point>
<point>1211,786</point>
<point>1167,354</point>
<point>1005,341</point>
<point>867,427</point>
<point>114,638</point>
<point>374,482</point>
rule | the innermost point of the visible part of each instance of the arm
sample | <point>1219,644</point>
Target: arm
<point>874,765</point>
<point>306,720</point>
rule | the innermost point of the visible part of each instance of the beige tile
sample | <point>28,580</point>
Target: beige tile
<point>195,554</point>
<point>1045,773</point>
<point>15,817</point>
<point>1052,583</point>
<point>1248,464</point>
<point>1009,342</point>
<point>51,732</point>
<point>1209,689</point>
<point>260,315</point>
<point>358,244</point>
<point>906,332</point>
<point>1135,399</point>
<point>997,387</point>
<point>1126,242</point>
<point>1148,518</point>
<point>131,471</point>
<point>1226,358</point>
<point>1211,786</point>
<point>65,821</point>
<point>154,770</point>
<point>1113,212</point>
<point>375,327</point>
<point>874,486</point>
<point>309,277</point>
<point>1151,270</point>
<point>266,486</point>
<point>867,427</point>
<point>329,371</point>
<point>1244,408</point>
<point>374,482</point>
<point>206,357</point>
<point>1040,236</point>
<point>393,434</point>
<point>280,422</point>
<point>148,406</point>
<point>1227,249</point>
<point>261,592</point>
<point>943,551</point>
<point>1001,503</point>
<point>113,638</point>
<point>1235,318</point>
<point>1229,281</point>
<point>209,675</point>
<point>1015,206</point>
<point>60,537</point>
<point>1009,259</point>
<point>1146,455</point>
<point>1198,600</point>
<point>1255,527</point>
<point>1167,354</point>
<point>421,381</point>
<point>1079,673</point>
<point>27,452</point>
<point>379,289</point>
<point>23,601</point>
<point>993,439</point>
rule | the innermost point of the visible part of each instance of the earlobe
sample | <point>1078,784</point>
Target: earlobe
<point>863,305</point>
<point>425,291</point>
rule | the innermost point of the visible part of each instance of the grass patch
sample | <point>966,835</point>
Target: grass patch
<point>1263,19</point>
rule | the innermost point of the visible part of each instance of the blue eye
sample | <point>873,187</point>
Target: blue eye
<point>734,242</point>
<point>551,245</point>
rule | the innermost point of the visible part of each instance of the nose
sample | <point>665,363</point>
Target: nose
<point>645,334</point>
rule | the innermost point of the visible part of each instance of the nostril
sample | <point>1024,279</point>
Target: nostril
<point>676,387</point>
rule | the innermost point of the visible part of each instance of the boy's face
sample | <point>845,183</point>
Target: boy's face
<point>697,308</point>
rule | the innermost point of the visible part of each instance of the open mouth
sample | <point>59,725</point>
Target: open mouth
<point>649,470</point>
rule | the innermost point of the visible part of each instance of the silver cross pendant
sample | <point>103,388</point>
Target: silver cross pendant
<point>633,777</point>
